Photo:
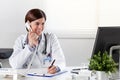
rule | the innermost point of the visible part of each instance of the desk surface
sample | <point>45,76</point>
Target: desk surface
<point>12,74</point>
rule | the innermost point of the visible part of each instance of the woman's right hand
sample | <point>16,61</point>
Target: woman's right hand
<point>32,39</point>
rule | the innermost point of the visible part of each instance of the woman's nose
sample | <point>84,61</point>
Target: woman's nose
<point>40,27</point>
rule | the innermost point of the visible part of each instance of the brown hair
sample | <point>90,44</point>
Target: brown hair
<point>34,14</point>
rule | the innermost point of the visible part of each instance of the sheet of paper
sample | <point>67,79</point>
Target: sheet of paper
<point>46,75</point>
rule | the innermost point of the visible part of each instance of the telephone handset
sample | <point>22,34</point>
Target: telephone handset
<point>28,27</point>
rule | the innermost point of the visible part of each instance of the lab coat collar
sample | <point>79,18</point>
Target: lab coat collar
<point>41,38</point>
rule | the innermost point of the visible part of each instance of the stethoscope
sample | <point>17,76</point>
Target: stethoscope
<point>48,57</point>
<point>44,52</point>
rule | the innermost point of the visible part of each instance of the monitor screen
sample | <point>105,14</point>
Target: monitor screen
<point>105,38</point>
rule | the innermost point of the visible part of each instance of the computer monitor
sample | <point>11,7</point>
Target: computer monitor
<point>107,37</point>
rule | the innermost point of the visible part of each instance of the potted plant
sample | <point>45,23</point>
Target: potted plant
<point>103,63</point>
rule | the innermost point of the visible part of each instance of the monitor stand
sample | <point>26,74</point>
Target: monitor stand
<point>116,76</point>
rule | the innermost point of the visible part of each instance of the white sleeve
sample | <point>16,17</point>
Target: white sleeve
<point>19,55</point>
<point>57,53</point>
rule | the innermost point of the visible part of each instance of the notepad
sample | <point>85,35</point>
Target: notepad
<point>46,75</point>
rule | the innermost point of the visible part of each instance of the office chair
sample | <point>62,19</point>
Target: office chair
<point>117,47</point>
<point>5,53</point>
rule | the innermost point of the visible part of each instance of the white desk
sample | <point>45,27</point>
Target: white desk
<point>65,76</point>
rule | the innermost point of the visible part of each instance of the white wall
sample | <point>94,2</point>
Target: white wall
<point>109,13</point>
<point>77,51</point>
<point>71,14</point>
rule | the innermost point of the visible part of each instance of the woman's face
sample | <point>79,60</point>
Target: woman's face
<point>38,26</point>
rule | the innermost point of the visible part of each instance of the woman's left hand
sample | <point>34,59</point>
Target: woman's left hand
<point>52,69</point>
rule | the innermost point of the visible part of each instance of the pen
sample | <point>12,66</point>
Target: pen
<point>75,72</point>
<point>39,75</point>
<point>79,68</point>
<point>34,75</point>
<point>52,63</point>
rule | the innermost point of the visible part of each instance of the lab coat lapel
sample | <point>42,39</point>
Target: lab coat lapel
<point>41,44</point>
<point>24,41</point>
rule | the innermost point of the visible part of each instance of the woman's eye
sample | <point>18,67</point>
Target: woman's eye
<point>37,23</point>
<point>43,23</point>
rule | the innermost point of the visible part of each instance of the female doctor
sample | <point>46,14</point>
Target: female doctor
<point>37,48</point>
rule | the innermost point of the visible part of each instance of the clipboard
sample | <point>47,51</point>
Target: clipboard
<point>46,75</point>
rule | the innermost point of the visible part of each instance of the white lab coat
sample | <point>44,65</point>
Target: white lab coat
<point>22,55</point>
